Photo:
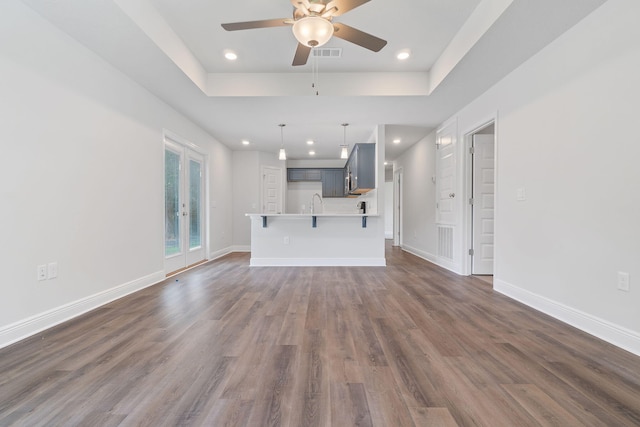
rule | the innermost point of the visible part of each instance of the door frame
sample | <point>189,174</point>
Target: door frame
<point>398,199</point>
<point>168,138</point>
<point>467,223</point>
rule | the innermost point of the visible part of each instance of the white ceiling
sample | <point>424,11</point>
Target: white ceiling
<point>175,49</point>
<point>271,49</point>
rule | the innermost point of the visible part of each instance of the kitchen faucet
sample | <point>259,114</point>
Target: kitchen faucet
<point>313,198</point>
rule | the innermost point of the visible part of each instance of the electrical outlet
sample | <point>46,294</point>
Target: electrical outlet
<point>52,270</point>
<point>623,281</point>
<point>41,272</point>
<point>521,195</point>
<point>286,240</point>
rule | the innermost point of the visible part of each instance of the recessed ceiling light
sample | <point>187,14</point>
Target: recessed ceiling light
<point>312,153</point>
<point>310,142</point>
<point>386,163</point>
<point>231,56</point>
<point>245,142</point>
<point>397,141</point>
<point>403,54</point>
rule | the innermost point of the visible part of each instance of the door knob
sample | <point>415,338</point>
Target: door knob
<point>452,195</point>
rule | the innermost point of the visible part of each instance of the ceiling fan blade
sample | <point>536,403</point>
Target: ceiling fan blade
<point>249,25</point>
<point>358,37</point>
<point>302,54</point>
<point>344,6</point>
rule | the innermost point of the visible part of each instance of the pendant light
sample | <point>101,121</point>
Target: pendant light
<point>283,154</point>
<point>344,152</point>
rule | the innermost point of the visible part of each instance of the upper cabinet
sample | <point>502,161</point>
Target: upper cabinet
<point>360,170</point>
<point>357,177</point>
<point>333,182</point>
<point>304,174</point>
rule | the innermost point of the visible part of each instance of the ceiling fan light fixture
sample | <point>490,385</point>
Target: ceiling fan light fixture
<point>313,31</point>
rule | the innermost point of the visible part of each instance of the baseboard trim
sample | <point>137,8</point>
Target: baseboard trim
<point>220,253</point>
<point>318,262</point>
<point>447,265</point>
<point>614,334</point>
<point>241,248</point>
<point>30,326</point>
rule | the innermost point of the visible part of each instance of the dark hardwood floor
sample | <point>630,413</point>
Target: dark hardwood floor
<point>228,345</point>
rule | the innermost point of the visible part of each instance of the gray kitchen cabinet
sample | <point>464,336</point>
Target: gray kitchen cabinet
<point>304,174</point>
<point>333,182</point>
<point>361,169</point>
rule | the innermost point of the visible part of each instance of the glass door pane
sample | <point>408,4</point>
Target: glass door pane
<point>185,222</point>
<point>172,243</point>
<point>195,204</point>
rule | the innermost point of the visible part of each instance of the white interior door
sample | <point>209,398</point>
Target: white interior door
<point>184,207</point>
<point>446,174</point>
<point>271,190</point>
<point>483,203</point>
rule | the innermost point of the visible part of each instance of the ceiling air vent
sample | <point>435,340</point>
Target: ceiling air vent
<point>327,52</point>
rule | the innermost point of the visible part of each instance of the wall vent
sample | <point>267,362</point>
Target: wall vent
<point>327,52</point>
<point>445,242</point>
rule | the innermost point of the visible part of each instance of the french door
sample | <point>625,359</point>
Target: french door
<point>184,173</point>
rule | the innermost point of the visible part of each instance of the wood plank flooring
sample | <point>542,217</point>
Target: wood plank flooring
<point>406,345</point>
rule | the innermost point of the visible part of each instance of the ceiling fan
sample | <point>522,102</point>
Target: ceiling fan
<point>313,26</point>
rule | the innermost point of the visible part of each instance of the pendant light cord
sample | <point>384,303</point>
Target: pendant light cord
<point>282,154</point>
<point>281,135</point>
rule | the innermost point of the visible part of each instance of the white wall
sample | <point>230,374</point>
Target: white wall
<point>388,210</point>
<point>82,177</point>
<point>299,194</point>
<point>566,133</point>
<point>246,195</point>
<point>418,166</point>
<point>247,188</point>
<point>220,200</point>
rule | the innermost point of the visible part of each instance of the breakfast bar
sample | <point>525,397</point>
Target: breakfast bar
<point>323,239</point>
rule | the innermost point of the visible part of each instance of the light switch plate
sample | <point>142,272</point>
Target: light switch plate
<point>623,281</point>
<point>52,270</point>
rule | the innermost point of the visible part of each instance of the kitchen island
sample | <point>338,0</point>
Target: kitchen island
<point>323,239</point>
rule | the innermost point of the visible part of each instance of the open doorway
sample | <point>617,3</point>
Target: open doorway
<point>481,202</point>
